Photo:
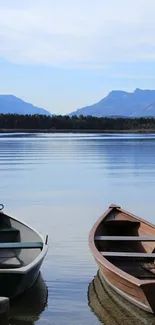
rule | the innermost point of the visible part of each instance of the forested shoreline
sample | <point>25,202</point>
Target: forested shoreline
<point>74,123</point>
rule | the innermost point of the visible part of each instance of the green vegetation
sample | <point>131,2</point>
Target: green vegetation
<point>51,123</point>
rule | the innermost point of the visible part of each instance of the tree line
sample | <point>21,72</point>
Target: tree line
<point>55,122</point>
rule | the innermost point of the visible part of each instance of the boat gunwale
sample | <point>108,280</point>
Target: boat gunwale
<point>103,261</point>
<point>43,252</point>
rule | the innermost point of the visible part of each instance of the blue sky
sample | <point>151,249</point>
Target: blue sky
<point>63,55</point>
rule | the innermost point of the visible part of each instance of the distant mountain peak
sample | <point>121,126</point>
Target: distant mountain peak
<point>122,103</point>
<point>117,92</point>
<point>10,104</point>
<point>137,90</point>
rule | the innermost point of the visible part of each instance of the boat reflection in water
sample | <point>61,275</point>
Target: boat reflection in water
<point>26,309</point>
<point>111,308</point>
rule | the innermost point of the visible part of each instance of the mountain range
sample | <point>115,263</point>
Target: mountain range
<point>10,104</point>
<point>140,103</point>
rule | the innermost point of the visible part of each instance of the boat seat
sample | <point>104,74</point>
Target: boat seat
<point>9,234</point>
<point>120,227</point>
<point>121,224</point>
<point>21,245</point>
<point>8,259</point>
<point>10,263</point>
<point>127,254</point>
<point>125,238</point>
<point>11,229</point>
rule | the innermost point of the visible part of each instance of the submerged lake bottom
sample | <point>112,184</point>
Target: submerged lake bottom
<point>60,184</point>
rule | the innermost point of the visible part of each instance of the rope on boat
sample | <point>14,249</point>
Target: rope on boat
<point>1,206</point>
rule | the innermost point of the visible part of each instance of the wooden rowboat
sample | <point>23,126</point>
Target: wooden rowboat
<point>22,251</point>
<point>123,246</point>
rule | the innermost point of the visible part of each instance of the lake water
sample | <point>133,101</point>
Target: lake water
<point>60,184</point>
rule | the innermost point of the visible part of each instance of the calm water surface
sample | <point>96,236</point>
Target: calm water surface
<point>60,184</point>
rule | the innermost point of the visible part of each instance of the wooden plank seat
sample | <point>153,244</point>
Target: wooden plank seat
<point>11,229</point>
<point>21,245</point>
<point>127,254</point>
<point>9,259</point>
<point>125,238</point>
<point>121,223</point>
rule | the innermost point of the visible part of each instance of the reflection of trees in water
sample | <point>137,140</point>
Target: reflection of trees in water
<point>27,309</point>
<point>112,309</point>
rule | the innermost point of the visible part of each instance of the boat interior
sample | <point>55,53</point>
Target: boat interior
<point>19,244</point>
<point>127,243</point>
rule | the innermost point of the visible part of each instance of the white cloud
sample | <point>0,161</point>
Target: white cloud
<point>77,33</point>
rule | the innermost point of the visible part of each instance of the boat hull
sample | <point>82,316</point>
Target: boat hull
<point>29,306</point>
<point>111,308</point>
<point>130,280</point>
<point>14,284</point>
<point>22,251</point>
<point>131,292</point>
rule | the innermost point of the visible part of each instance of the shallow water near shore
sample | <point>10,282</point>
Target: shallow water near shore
<point>60,184</point>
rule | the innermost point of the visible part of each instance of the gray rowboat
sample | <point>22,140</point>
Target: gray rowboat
<point>22,251</point>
